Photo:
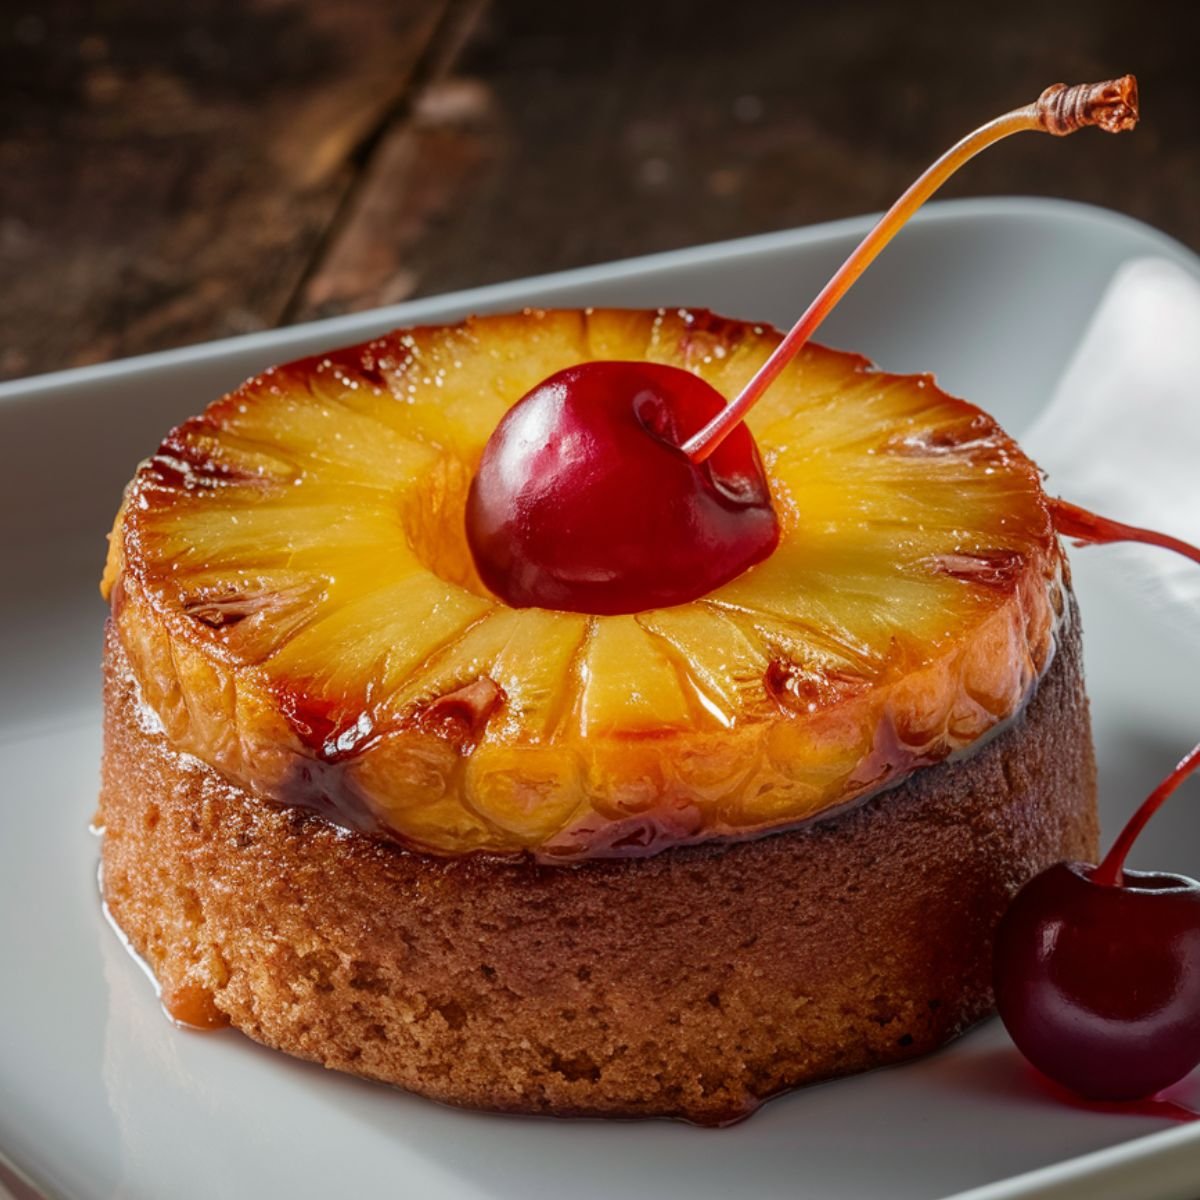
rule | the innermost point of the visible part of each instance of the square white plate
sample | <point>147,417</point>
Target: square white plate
<point>102,1097</point>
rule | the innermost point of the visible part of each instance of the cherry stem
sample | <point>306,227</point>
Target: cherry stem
<point>1110,872</point>
<point>1089,528</point>
<point>1059,110</point>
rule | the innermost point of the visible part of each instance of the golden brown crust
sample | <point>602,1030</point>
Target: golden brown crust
<point>691,984</point>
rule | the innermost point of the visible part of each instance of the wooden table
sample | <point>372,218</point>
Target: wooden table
<point>172,171</point>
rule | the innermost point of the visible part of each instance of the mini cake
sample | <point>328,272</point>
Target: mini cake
<point>657,862</point>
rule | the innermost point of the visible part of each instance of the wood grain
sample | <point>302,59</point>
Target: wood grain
<point>170,173</point>
<point>167,171</point>
<point>572,134</point>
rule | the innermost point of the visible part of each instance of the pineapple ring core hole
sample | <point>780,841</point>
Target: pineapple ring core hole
<point>434,518</point>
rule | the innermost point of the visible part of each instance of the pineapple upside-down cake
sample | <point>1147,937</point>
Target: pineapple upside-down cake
<point>662,862</point>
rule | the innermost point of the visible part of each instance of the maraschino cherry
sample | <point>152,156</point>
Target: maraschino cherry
<point>1097,970</point>
<point>585,501</point>
<point>614,487</point>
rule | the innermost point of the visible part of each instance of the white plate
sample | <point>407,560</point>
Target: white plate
<point>101,1097</point>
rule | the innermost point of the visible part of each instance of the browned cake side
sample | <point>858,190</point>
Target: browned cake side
<point>693,984</point>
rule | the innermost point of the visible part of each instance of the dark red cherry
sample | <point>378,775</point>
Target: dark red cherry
<point>584,500</point>
<point>1099,984</point>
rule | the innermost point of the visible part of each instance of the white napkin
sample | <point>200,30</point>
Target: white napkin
<point>1121,434</point>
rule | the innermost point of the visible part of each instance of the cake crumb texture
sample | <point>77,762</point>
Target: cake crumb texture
<point>691,984</point>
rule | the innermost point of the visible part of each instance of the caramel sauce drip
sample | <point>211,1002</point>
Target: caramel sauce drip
<point>998,569</point>
<point>192,1004</point>
<point>461,716</point>
<point>795,689</point>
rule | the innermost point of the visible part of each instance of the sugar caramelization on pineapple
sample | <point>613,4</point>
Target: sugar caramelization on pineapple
<point>303,613</point>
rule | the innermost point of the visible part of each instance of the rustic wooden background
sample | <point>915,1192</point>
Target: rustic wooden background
<point>176,170</point>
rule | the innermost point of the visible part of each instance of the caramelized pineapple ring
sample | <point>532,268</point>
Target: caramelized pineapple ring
<point>290,578</point>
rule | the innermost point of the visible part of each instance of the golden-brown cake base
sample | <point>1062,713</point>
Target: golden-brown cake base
<point>692,984</point>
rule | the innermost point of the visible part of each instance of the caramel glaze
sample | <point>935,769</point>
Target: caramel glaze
<point>322,785</point>
<point>320,782</point>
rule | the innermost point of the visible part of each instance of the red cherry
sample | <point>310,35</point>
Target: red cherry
<point>1097,969</point>
<point>616,487</point>
<point>584,500</point>
<point>1099,985</point>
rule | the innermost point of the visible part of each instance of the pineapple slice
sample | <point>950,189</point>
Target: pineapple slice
<point>290,580</point>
